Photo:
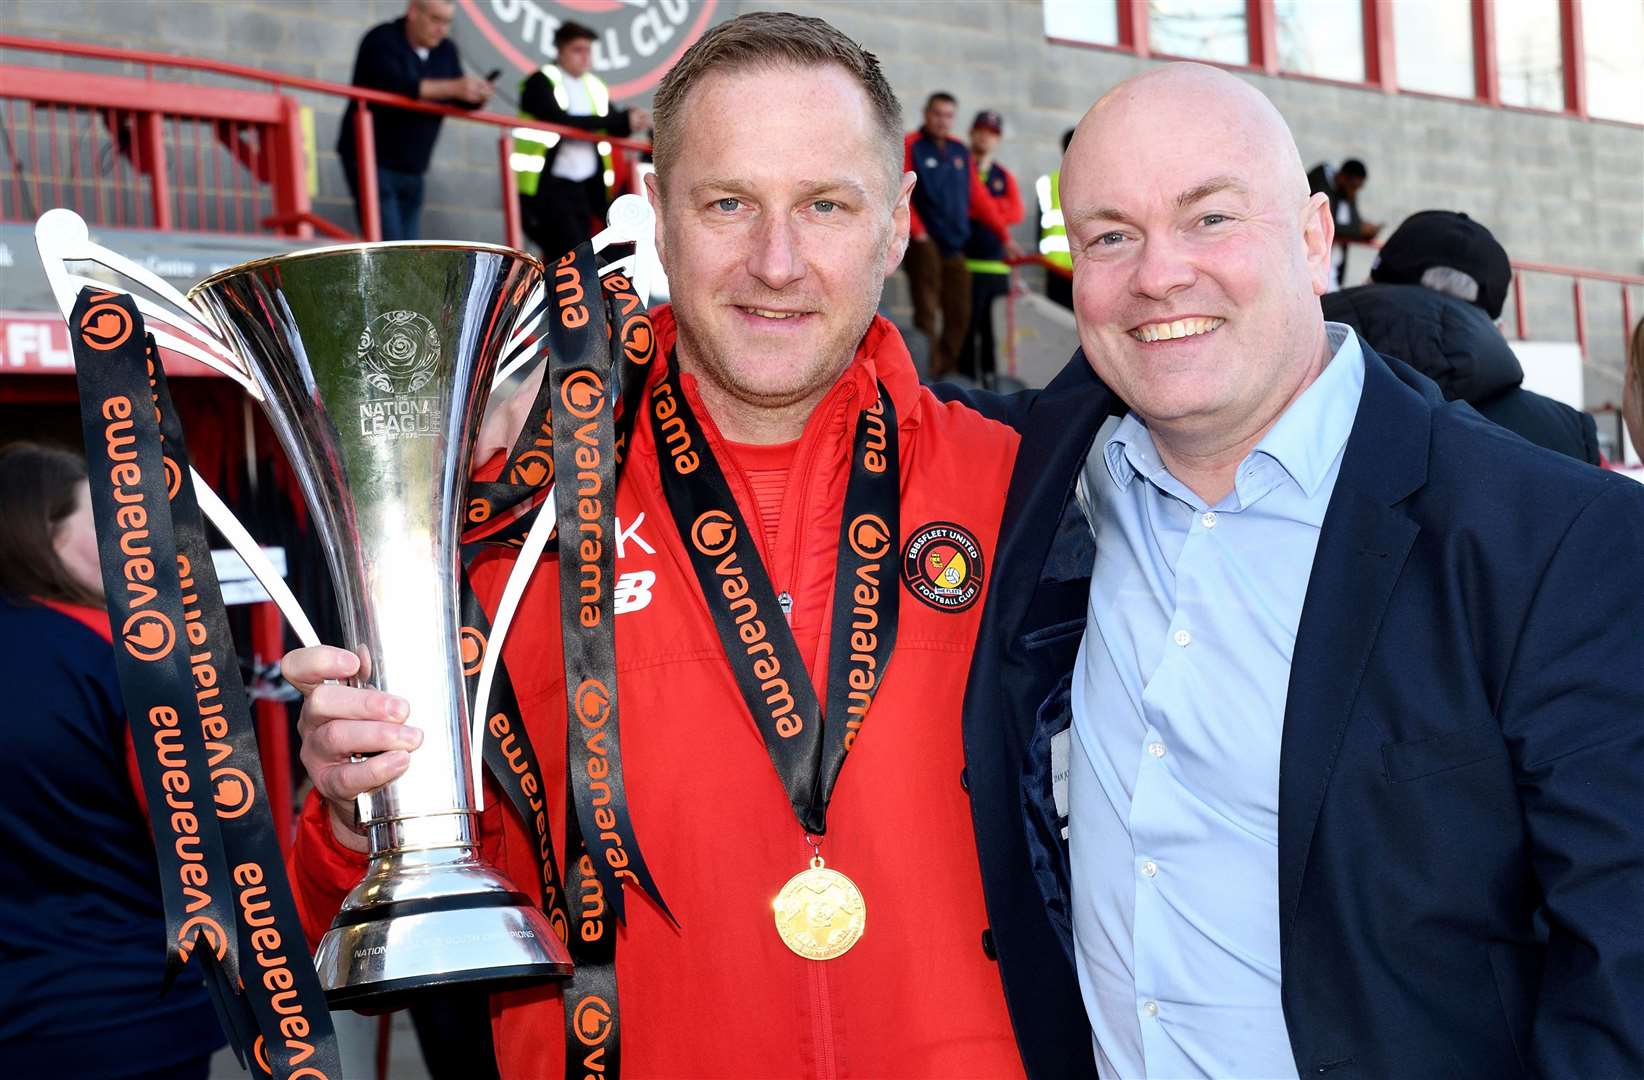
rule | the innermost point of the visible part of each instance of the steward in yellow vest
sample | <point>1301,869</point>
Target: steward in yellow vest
<point>565,183</point>
<point>1053,234</point>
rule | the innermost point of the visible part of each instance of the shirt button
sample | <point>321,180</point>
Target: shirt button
<point>1156,749</point>
<point>1182,638</point>
<point>1151,1008</point>
<point>1208,519</point>
<point>1149,868</point>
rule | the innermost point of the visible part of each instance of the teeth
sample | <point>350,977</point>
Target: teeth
<point>1170,331</point>
<point>767,314</point>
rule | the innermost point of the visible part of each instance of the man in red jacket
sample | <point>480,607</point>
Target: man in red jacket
<point>782,207</point>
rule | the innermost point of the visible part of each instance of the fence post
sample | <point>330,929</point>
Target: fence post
<point>513,234</point>
<point>1518,305</point>
<point>365,168</point>
<point>290,177</point>
<point>1626,318</point>
<point>151,134</point>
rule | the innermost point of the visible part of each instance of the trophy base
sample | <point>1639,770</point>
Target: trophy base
<point>380,955</point>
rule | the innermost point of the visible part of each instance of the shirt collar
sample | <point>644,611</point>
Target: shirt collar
<point>1312,431</point>
<point>1304,442</point>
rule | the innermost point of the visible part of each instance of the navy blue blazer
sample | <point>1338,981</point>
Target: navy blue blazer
<point>1461,791</point>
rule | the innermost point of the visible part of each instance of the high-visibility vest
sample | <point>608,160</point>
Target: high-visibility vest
<point>531,145</point>
<point>1052,229</point>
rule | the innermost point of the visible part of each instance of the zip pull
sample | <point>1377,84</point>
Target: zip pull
<point>784,601</point>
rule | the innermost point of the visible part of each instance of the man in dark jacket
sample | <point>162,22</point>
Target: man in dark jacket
<point>940,225</point>
<point>414,57</point>
<point>1392,836</point>
<point>1434,292</point>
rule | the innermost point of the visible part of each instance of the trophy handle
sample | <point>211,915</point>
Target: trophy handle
<point>61,237</point>
<point>630,221</point>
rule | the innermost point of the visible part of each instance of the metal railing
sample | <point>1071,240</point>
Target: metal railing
<point>155,154</point>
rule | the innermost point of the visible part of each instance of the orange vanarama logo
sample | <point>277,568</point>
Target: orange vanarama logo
<point>592,1020</point>
<point>942,565</point>
<point>593,703</point>
<point>712,533</point>
<point>209,929</point>
<point>583,392</point>
<point>479,511</point>
<point>174,477</point>
<point>533,469</point>
<point>105,326</point>
<point>148,635</point>
<point>638,342</point>
<point>232,791</point>
<point>471,644</point>
<point>869,537</point>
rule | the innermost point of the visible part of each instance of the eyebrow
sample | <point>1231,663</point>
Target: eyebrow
<point>807,188</point>
<point>1210,187</point>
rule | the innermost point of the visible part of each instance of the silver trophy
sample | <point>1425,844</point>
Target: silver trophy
<point>373,363</point>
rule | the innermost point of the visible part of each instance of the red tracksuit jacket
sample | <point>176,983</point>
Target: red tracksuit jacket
<point>721,996</point>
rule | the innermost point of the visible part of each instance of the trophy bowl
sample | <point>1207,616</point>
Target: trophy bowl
<point>375,363</point>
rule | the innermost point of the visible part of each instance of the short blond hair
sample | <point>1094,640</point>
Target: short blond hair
<point>770,39</point>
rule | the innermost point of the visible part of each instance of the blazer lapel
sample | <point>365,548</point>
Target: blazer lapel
<point>1362,547</point>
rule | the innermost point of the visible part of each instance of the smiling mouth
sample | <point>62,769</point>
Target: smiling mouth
<point>768,313</point>
<point>1171,331</point>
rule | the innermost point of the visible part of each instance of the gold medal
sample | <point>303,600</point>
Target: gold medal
<point>820,913</point>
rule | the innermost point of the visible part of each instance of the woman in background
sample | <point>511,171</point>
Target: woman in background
<point>82,933</point>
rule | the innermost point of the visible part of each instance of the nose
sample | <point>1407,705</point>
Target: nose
<point>775,261</point>
<point>1162,268</point>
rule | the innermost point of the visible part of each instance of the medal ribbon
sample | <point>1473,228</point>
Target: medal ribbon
<point>807,748</point>
<point>215,838</point>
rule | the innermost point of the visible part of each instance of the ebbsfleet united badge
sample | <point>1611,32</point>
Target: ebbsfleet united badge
<point>942,565</point>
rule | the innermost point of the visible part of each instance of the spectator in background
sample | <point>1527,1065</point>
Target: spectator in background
<point>996,205</point>
<point>564,184</point>
<point>413,57</point>
<point>1632,396</point>
<point>1342,186</point>
<point>941,225</point>
<point>1053,233</point>
<point>1434,290</point>
<point>82,929</point>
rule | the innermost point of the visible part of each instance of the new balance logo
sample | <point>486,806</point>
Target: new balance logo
<point>633,590</point>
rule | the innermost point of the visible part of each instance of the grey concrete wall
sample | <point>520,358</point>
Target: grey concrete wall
<point>1554,189</point>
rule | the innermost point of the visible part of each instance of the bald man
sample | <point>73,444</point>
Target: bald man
<point>1306,731</point>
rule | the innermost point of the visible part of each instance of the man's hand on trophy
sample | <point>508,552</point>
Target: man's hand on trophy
<point>339,723</point>
<point>505,416</point>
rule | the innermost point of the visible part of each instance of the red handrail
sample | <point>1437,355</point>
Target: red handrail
<point>294,82</point>
<point>291,211</point>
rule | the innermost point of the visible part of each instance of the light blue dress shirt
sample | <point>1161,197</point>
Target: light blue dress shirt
<point>1178,710</point>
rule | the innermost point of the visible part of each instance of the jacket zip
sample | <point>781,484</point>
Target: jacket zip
<point>827,1055</point>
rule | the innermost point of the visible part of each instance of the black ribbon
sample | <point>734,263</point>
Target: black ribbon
<point>499,513</point>
<point>807,750</point>
<point>190,718</point>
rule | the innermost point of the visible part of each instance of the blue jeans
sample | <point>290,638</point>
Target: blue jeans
<point>399,200</point>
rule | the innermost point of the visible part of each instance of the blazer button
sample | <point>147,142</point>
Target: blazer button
<point>964,779</point>
<point>987,945</point>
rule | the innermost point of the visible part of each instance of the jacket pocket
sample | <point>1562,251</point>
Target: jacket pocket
<point>1424,757</point>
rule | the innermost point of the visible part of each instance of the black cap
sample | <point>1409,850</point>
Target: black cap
<point>1446,238</point>
<point>990,120</point>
